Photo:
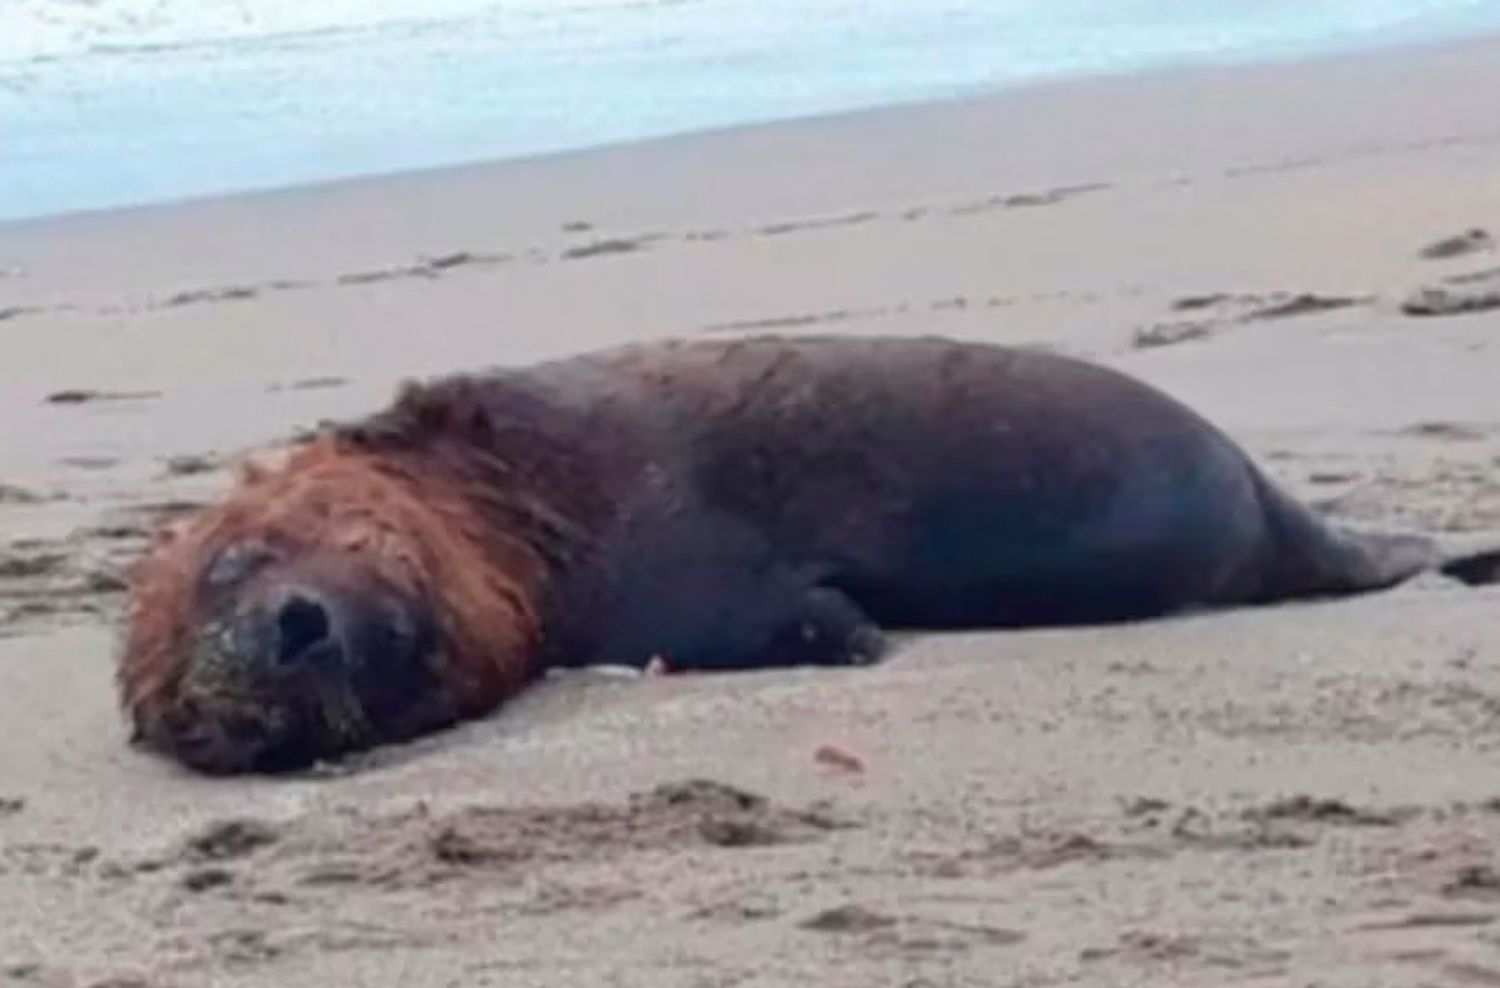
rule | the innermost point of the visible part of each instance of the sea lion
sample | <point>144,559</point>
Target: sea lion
<point>717,505</point>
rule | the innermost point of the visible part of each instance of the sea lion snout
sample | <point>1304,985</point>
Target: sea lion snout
<point>306,628</point>
<point>229,738</point>
<point>293,630</point>
<point>299,664</point>
<point>308,623</point>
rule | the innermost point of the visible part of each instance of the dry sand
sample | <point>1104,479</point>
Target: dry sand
<point>1299,795</point>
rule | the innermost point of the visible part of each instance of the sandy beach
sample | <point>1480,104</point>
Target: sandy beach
<point>1303,795</point>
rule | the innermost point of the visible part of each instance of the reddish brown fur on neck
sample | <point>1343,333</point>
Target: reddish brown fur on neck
<point>403,515</point>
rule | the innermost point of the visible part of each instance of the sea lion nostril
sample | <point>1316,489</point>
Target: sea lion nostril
<point>303,625</point>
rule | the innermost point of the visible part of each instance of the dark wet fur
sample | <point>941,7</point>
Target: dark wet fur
<point>703,502</point>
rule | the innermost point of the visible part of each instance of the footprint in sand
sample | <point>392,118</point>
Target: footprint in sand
<point>1216,311</point>
<point>1448,431</point>
<point>427,266</point>
<point>1283,306</point>
<point>1475,881</point>
<point>1170,333</point>
<point>87,396</point>
<point>191,464</point>
<point>424,848</point>
<point>601,248</point>
<point>818,223</point>
<point>23,567</point>
<point>1469,242</point>
<point>231,293</point>
<point>11,494</point>
<point>1022,200</point>
<point>850,918</point>
<point>1477,291</point>
<point>911,934</point>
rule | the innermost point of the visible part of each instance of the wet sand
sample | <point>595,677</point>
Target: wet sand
<point>1293,795</point>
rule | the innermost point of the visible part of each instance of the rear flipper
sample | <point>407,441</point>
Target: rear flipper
<point>1476,569</point>
<point>1375,560</point>
<point>1310,557</point>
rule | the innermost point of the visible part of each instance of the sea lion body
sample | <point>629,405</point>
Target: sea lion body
<point>713,505</point>
<point>748,494</point>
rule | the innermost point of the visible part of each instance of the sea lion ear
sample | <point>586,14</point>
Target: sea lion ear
<point>455,404</point>
<point>425,408</point>
<point>476,414</point>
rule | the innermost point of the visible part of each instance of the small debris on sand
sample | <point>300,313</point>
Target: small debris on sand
<point>838,758</point>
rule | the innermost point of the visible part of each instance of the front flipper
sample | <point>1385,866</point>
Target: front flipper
<point>829,630</point>
<point>819,627</point>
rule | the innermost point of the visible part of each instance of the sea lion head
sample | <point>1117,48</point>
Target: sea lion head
<point>342,601</point>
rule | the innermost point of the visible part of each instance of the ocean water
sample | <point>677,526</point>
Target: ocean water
<point>114,102</point>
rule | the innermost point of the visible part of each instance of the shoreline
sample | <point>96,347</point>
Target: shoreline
<point>1368,52</point>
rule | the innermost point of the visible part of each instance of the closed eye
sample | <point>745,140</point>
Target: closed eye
<point>400,629</point>
<point>236,563</point>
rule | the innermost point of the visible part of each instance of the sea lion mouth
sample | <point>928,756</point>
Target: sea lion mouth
<point>224,745</point>
<point>219,733</point>
<point>231,715</point>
